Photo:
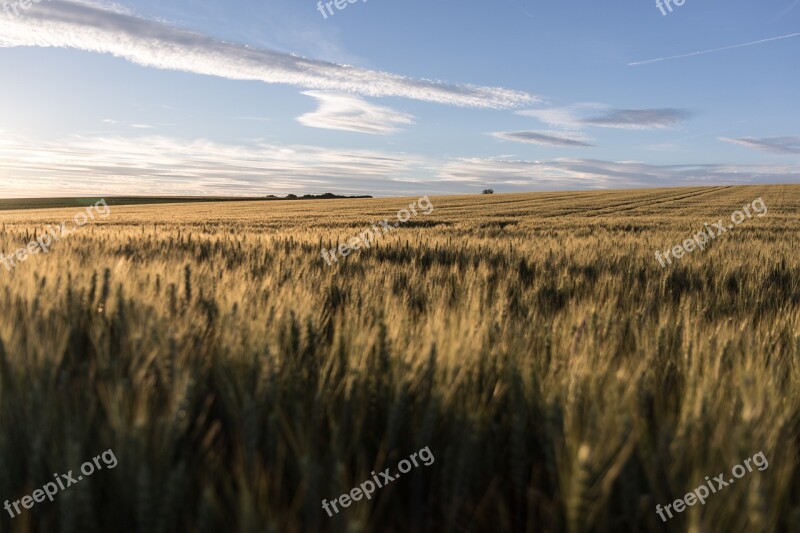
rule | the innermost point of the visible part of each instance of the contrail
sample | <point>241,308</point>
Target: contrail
<point>713,50</point>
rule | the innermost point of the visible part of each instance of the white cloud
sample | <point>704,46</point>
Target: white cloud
<point>560,117</point>
<point>773,145</point>
<point>158,165</point>
<point>638,119</point>
<point>169,166</point>
<point>573,117</point>
<point>112,122</point>
<point>566,173</point>
<point>154,44</point>
<point>341,111</point>
<point>549,138</point>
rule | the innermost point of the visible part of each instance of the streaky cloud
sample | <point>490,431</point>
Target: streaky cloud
<point>139,165</point>
<point>773,145</point>
<point>545,138</point>
<point>342,111</point>
<point>570,173</point>
<point>638,119</point>
<point>82,26</point>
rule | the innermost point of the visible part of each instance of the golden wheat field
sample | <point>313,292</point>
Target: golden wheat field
<point>560,377</point>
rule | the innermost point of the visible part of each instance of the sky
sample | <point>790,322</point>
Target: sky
<point>391,98</point>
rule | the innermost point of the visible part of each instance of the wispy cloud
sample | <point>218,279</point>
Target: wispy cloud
<point>567,117</point>
<point>774,145</point>
<point>170,166</point>
<point>638,119</point>
<point>515,174</point>
<point>577,117</point>
<point>154,44</point>
<point>341,111</point>
<point>134,125</point>
<point>702,52</point>
<point>546,138</point>
<point>147,165</point>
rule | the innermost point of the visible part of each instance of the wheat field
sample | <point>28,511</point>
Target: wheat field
<point>563,380</point>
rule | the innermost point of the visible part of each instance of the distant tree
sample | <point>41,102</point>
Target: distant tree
<point>488,191</point>
<point>324,196</point>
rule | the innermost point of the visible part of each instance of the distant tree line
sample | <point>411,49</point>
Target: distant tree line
<point>325,196</point>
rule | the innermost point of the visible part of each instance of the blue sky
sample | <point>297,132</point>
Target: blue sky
<point>256,97</point>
